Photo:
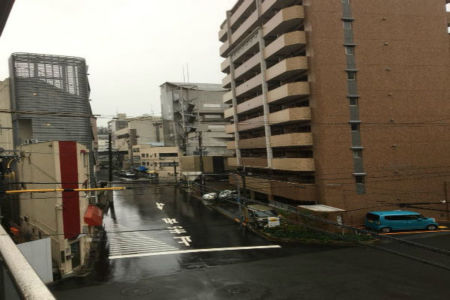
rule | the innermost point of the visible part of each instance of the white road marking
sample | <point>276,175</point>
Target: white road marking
<point>194,251</point>
<point>186,240</point>
<point>134,243</point>
<point>170,221</point>
<point>176,229</point>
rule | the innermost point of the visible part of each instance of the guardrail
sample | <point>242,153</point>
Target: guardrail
<point>18,280</point>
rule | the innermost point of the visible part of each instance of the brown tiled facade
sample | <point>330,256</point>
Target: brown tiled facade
<point>341,102</point>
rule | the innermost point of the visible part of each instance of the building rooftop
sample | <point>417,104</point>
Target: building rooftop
<point>208,87</point>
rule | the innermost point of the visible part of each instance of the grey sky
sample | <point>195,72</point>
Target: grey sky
<point>131,46</point>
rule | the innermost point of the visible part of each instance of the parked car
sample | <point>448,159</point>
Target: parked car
<point>209,196</point>
<point>261,216</point>
<point>387,221</point>
<point>227,195</point>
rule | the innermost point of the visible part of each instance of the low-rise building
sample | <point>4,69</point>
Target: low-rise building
<point>143,130</point>
<point>58,215</point>
<point>163,161</point>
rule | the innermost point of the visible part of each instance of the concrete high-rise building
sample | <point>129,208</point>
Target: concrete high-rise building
<point>340,102</point>
<point>190,108</point>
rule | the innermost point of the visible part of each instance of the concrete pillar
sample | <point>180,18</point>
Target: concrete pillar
<point>265,89</point>
<point>233,91</point>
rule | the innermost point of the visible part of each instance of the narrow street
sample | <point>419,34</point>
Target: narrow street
<point>151,221</point>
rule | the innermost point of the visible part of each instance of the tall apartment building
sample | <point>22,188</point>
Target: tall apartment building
<point>190,108</point>
<point>340,102</point>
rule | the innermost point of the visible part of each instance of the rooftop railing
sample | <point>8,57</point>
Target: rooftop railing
<point>18,280</point>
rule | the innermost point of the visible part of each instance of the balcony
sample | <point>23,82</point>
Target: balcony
<point>276,141</point>
<point>249,86</point>
<point>227,97</point>
<point>285,20</point>
<point>288,115</point>
<point>291,140</point>
<point>240,11</point>
<point>284,164</point>
<point>288,91</point>
<point>223,34</point>
<point>225,65</point>
<point>228,113</point>
<point>294,114</point>
<point>286,68</point>
<point>18,280</point>
<point>290,190</point>
<point>293,164</point>
<point>285,44</point>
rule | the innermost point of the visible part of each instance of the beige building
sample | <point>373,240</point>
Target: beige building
<point>58,215</point>
<point>340,102</point>
<point>164,161</point>
<point>6,132</point>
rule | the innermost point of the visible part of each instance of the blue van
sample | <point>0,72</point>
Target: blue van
<point>386,221</point>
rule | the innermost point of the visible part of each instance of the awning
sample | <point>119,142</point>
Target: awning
<point>93,216</point>
<point>320,208</point>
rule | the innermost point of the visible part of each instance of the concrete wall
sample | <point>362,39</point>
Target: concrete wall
<point>192,164</point>
<point>6,133</point>
<point>42,213</point>
<point>155,160</point>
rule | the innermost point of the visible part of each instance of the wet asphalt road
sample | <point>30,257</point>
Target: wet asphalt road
<point>156,219</point>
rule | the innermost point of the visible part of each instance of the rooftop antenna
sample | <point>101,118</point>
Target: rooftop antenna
<point>184,76</point>
<point>187,71</point>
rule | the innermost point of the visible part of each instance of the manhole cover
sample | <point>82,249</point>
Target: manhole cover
<point>136,291</point>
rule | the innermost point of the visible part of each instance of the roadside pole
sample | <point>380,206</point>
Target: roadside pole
<point>110,177</point>
<point>202,168</point>
<point>175,171</point>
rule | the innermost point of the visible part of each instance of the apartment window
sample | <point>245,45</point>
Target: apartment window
<point>351,75</point>
<point>355,127</point>
<point>348,25</point>
<point>357,154</point>
<point>353,101</point>
<point>349,50</point>
<point>360,179</point>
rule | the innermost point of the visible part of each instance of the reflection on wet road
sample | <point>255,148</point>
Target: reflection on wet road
<point>150,221</point>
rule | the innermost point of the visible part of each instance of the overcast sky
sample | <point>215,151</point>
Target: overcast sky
<point>131,46</point>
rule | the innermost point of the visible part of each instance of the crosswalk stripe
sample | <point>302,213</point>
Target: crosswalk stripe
<point>134,243</point>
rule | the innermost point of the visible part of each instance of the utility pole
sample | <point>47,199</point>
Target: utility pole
<point>175,171</point>
<point>110,177</point>
<point>243,173</point>
<point>202,168</point>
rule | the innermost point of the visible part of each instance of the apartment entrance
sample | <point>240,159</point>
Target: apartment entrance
<point>76,255</point>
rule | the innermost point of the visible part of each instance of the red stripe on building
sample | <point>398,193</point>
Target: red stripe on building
<point>69,178</point>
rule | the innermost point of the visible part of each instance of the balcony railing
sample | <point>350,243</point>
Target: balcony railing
<point>18,280</point>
